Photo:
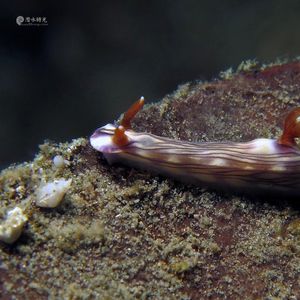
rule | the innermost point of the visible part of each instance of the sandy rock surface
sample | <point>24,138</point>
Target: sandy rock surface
<point>120,233</point>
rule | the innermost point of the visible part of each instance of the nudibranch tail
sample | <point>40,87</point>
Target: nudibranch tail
<point>266,165</point>
<point>291,129</point>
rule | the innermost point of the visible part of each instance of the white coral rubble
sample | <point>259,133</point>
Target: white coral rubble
<point>12,227</point>
<point>50,194</point>
<point>59,162</point>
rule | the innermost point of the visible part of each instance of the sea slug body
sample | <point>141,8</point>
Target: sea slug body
<point>264,165</point>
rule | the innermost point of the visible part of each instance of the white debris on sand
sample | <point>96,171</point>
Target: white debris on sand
<point>59,161</point>
<point>50,194</point>
<point>12,227</point>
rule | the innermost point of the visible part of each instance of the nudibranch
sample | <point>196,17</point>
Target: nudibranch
<point>267,165</point>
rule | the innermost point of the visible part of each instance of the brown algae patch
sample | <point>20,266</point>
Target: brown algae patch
<point>120,233</point>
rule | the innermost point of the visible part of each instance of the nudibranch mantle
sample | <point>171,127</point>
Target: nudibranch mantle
<point>266,165</point>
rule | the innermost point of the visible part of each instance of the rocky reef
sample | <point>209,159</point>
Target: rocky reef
<point>114,232</point>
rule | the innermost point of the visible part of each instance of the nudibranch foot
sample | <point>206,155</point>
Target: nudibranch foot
<point>262,164</point>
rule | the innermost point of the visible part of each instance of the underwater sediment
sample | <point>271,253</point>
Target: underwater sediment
<point>120,233</point>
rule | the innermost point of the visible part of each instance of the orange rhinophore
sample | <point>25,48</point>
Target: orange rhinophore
<point>131,112</point>
<point>119,137</point>
<point>291,128</point>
